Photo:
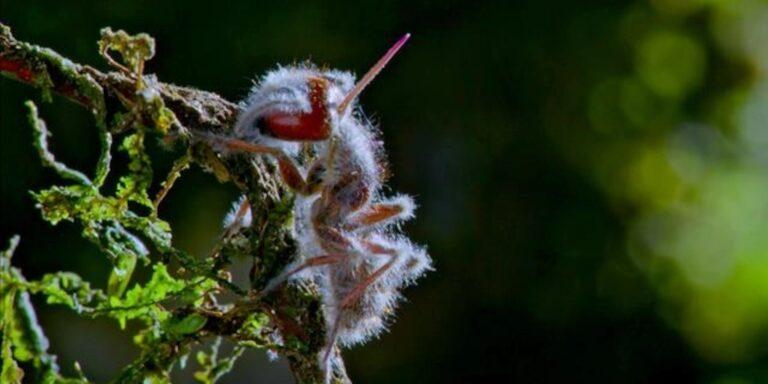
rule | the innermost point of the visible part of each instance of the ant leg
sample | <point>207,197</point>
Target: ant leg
<point>356,292</point>
<point>374,215</point>
<point>338,240</point>
<point>331,341</point>
<point>360,288</point>
<point>399,208</point>
<point>363,285</point>
<point>332,237</point>
<point>311,262</point>
<point>289,171</point>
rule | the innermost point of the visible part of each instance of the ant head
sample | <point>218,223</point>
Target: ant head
<point>301,103</point>
<point>290,104</point>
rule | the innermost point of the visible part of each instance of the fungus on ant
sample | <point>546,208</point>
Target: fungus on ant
<point>344,224</point>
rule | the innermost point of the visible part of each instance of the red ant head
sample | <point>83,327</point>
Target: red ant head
<point>314,125</point>
<point>290,104</point>
<point>302,103</point>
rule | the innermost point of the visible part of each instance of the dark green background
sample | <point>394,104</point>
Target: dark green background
<point>489,118</point>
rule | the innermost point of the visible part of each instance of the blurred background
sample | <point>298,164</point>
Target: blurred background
<point>592,176</point>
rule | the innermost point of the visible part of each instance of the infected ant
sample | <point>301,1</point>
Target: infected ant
<point>343,224</point>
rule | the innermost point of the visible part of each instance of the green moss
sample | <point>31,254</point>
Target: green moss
<point>41,135</point>
<point>134,49</point>
<point>133,187</point>
<point>177,308</point>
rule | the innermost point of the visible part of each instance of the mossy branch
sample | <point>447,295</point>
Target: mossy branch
<point>129,99</point>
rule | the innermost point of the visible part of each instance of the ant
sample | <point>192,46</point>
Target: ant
<point>344,225</point>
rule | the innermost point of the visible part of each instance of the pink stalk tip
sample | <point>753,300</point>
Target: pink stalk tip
<point>372,73</point>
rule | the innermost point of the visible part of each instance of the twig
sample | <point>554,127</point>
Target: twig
<point>201,111</point>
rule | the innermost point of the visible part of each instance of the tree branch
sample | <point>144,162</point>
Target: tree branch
<point>295,310</point>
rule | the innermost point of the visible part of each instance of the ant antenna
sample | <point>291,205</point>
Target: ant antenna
<point>372,73</point>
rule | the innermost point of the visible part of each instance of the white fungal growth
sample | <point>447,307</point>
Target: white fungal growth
<point>347,230</point>
<point>239,216</point>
